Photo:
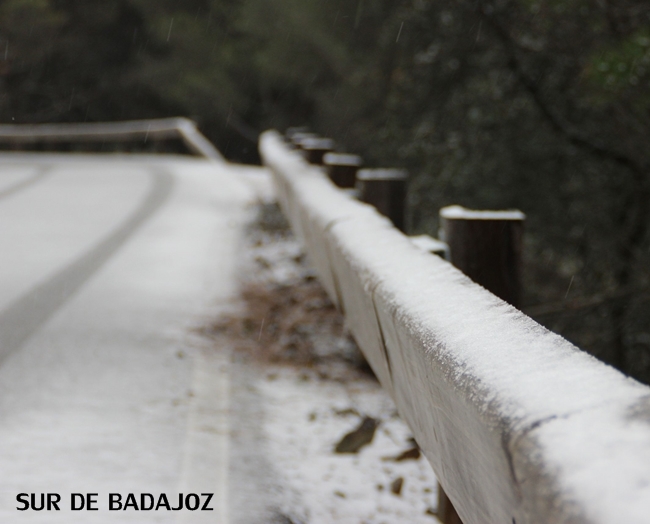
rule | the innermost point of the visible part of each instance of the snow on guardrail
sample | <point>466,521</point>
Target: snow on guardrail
<point>520,426</point>
<point>160,128</point>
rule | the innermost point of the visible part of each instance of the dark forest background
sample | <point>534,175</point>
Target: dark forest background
<point>540,105</point>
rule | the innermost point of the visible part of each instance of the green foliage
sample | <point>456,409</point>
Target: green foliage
<point>622,68</point>
<point>20,22</point>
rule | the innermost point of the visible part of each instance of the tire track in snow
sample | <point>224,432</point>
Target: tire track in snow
<point>37,177</point>
<point>20,319</point>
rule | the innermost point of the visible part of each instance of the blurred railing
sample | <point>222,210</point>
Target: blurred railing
<point>142,130</point>
<point>519,425</point>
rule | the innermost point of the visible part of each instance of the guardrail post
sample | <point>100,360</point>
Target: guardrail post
<point>431,245</point>
<point>315,149</point>
<point>291,131</point>
<point>386,190</point>
<point>486,246</point>
<point>446,512</point>
<point>342,168</point>
<point>297,138</point>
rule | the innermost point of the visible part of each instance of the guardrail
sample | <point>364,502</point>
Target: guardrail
<point>158,129</point>
<point>519,425</point>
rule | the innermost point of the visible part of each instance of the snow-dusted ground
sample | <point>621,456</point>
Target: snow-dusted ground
<point>306,417</point>
<point>107,260</point>
<point>295,418</point>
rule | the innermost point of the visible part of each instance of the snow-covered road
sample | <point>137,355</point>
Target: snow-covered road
<point>105,268</point>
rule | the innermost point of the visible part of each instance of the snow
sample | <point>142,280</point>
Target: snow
<point>317,212</point>
<point>461,213</point>
<point>518,423</point>
<point>604,456</point>
<point>342,159</point>
<point>305,411</point>
<point>382,174</point>
<point>306,418</point>
<point>14,176</point>
<point>317,143</point>
<point>301,135</point>
<point>428,244</point>
<point>100,396</point>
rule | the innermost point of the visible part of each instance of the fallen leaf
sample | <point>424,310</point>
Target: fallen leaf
<point>396,485</point>
<point>355,440</point>
<point>409,454</point>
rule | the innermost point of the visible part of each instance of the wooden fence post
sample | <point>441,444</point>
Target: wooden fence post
<point>297,138</point>
<point>446,512</point>
<point>486,246</point>
<point>342,168</point>
<point>386,190</point>
<point>315,149</point>
<point>291,131</point>
<point>431,245</point>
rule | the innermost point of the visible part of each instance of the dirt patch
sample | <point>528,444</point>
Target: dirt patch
<point>285,315</point>
<point>336,449</point>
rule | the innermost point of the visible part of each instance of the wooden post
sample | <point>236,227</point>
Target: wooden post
<point>486,246</point>
<point>446,512</point>
<point>298,137</point>
<point>315,149</point>
<point>291,131</point>
<point>431,245</point>
<point>386,190</point>
<point>342,168</point>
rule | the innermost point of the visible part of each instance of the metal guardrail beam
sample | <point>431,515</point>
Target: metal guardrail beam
<point>164,128</point>
<point>520,426</point>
